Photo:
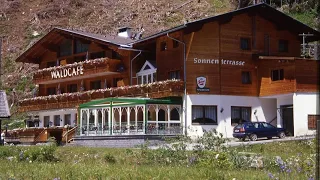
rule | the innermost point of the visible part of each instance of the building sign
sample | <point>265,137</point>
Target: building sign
<point>201,84</point>
<point>216,61</point>
<point>67,72</point>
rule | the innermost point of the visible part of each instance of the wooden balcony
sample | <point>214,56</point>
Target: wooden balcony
<point>75,71</point>
<point>70,100</point>
<point>299,75</point>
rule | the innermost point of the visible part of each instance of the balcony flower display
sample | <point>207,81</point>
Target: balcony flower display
<point>73,99</point>
<point>96,94</point>
<point>88,64</point>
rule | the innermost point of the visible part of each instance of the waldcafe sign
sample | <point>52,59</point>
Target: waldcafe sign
<point>67,72</point>
<point>216,61</point>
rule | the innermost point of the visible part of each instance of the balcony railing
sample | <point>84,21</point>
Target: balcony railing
<point>76,70</point>
<point>70,100</point>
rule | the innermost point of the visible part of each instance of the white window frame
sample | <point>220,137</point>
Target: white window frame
<point>144,74</point>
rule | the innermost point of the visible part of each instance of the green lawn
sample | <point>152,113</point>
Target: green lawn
<point>106,163</point>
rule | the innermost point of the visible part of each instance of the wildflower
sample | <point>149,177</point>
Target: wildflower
<point>288,170</point>
<point>21,155</point>
<point>279,161</point>
<point>299,169</point>
<point>192,159</point>
<point>270,175</point>
<point>217,155</point>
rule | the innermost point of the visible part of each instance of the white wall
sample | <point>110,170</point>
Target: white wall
<point>266,111</point>
<point>60,112</point>
<point>304,104</point>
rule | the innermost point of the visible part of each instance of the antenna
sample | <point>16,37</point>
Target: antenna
<point>303,41</point>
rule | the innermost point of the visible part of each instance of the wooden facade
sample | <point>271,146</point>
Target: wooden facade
<point>254,52</point>
<point>214,49</point>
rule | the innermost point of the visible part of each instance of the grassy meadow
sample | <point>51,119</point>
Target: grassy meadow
<point>51,162</point>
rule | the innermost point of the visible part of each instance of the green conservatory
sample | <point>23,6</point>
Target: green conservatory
<point>130,116</point>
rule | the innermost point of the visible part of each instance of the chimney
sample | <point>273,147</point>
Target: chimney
<point>124,32</point>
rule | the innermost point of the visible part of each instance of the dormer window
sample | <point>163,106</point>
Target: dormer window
<point>147,74</point>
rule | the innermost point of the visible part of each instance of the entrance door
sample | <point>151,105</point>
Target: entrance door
<point>287,119</point>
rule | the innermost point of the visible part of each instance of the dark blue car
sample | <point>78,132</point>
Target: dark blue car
<point>255,130</point>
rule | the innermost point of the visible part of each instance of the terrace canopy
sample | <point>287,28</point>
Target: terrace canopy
<point>130,116</point>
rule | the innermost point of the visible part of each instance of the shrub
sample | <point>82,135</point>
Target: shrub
<point>39,154</point>
<point>109,158</point>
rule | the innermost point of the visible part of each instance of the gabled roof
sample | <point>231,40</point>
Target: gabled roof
<point>148,66</point>
<point>282,20</point>
<point>55,36</point>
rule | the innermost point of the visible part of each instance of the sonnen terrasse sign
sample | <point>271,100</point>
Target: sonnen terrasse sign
<point>216,61</point>
<point>67,72</point>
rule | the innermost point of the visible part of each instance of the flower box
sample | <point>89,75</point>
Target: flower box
<point>144,89</point>
<point>112,92</point>
<point>134,90</point>
<point>73,97</point>
<point>63,98</point>
<point>41,101</point>
<point>52,99</point>
<point>84,96</point>
<point>154,88</point>
<point>123,91</point>
<point>97,94</point>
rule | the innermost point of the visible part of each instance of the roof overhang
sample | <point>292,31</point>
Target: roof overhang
<point>282,21</point>
<point>50,42</point>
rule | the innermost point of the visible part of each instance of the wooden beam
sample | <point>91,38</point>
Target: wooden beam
<point>189,45</point>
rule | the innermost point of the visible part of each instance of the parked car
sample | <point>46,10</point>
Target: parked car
<point>255,130</point>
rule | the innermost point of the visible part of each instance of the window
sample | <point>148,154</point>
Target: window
<point>174,115</point>
<point>163,46</point>
<point>204,114</point>
<point>174,74</point>
<point>245,43</point>
<point>72,88</point>
<point>56,121</point>
<point>277,75</point>
<point>240,114</point>
<point>46,120</point>
<point>95,84</point>
<point>67,119</point>
<point>51,64</point>
<point>246,77</point>
<point>283,45</point>
<point>265,125</point>
<point>51,91</point>
<point>312,121</point>
<point>147,74</point>
<point>65,48</point>
<point>97,55</point>
<point>80,46</point>
<point>175,44</point>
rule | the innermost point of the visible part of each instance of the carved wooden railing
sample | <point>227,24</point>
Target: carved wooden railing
<point>85,67</point>
<point>68,136</point>
<point>39,135</point>
<point>70,100</point>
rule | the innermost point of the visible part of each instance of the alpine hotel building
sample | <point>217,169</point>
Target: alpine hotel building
<point>205,74</point>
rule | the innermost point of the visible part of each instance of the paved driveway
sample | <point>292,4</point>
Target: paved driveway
<point>236,142</point>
